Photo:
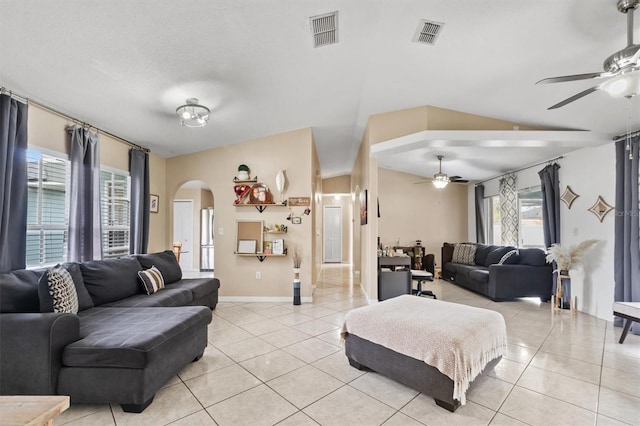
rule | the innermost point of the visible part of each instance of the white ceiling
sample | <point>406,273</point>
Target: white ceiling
<point>125,66</point>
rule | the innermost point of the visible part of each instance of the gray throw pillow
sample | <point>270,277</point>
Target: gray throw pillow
<point>510,258</point>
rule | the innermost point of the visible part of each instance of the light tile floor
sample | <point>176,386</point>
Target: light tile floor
<point>275,363</point>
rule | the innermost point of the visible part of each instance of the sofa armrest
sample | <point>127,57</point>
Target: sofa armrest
<point>512,281</point>
<point>31,346</point>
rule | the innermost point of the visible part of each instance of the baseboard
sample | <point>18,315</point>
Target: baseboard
<point>252,299</point>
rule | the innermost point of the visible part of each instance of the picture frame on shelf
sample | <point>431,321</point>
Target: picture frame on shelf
<point>260,194</point>
<point>154,203</point>
<point>277,246</point>
<point>267,247</point>
<point>246,246</point>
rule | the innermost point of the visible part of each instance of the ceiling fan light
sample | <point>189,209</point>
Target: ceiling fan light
<point>440,180</point>
<point>617,87</point>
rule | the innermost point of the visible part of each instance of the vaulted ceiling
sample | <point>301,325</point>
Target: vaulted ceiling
<point>125,66</point>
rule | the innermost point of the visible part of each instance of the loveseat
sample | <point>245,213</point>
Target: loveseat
<point>121,346</point>
<point>498,272</point>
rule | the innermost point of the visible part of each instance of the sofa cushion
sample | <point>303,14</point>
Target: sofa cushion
<point>64,298</point>
<point>480,275</point>
<point>510,258</point>
<point>84,299</point>
<point>112,279</point>
<point>199,287</point>
<point>464,253</point>
<point>152,280</point>
<point>19,291</point>
<point>165,261</point>
<point>130,337</point>
<point>532,257</point>
<point>166,297</point>
<point>482,251</point>
<point>496,254</point>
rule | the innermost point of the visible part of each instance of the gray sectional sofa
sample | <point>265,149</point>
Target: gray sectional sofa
<point>122,345</point>
<point>525,274</point>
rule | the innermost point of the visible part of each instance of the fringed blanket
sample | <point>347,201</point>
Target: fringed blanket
<point>458,340</point>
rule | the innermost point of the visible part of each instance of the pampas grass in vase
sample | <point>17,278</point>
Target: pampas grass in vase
<point>568,258</point>
<point>297,261</point>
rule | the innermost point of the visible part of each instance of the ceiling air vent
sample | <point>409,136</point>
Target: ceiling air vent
<point>324,29</point>
<point>427,31</point>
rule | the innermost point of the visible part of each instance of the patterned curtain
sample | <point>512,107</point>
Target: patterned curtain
<point>509,210</point>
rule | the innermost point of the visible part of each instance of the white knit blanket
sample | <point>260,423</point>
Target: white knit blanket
<point>458,340</point>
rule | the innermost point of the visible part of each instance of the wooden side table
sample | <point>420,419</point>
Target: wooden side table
<point>31,410</point>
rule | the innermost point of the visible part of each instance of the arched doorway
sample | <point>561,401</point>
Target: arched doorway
<point>193,226</point>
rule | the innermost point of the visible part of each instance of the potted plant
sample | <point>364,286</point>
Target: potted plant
<point>566,259</point>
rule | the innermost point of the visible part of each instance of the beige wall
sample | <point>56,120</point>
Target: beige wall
<point>316,214</point>
<point>410,212</point>
<point>293,152</point>
<point>48,130</point>
<point>337,185</point>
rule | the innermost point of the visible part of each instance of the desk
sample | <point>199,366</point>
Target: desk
<point>31,410</point>
<point>395,282</point>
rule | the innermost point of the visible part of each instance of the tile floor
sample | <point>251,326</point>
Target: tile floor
<point>275,363</point>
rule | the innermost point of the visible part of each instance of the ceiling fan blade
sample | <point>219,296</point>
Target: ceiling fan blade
<point>418,183</point>
<point>575,97</point>
<point>575,77</point>
<point>455,177</point>
<point>459,180</point>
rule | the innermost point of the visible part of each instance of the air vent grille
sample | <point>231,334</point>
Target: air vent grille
<point>427,32</point>
<point>324,29</point>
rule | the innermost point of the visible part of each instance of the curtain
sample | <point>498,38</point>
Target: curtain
<point>509,210</point>
<point>139,220</point>
<point>480,217</point>
<point>13,184</point>
<point>550,187</point>
<point>627,233</point>
<point>84,207</point>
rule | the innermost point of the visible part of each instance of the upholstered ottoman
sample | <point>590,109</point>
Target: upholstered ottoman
<point>435,347</point>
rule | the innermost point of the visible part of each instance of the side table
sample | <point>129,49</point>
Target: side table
<point>31,410</point>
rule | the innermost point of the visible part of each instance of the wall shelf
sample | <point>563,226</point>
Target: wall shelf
<point>261,207</point>
<point>262,256</point>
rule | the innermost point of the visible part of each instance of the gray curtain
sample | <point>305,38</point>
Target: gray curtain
<point>84,207</point>
<point>509,210</point>
<point>139,220</point>
<point>13,183</point>
<point>627,232</point>
<point>480,217</point>
<point>550,186</point>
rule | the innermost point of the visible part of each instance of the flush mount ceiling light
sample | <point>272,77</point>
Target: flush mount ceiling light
<point>193,114</point>
<point>440,180</point>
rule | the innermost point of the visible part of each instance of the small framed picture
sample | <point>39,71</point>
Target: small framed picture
<point>277,246</point>
<point>296,220</point>
<point>154,203</point>
<point>247,246</point>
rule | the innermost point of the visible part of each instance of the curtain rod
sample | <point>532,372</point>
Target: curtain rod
<point>631,134</point>
<point>519,170</point>
<point>26,100</point>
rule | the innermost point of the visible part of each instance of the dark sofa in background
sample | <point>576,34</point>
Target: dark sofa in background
<point>526,274</point>
<point>122,345</point>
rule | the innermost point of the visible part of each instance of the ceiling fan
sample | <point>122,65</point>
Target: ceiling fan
<point>440,180</point>
<point>622,68</point>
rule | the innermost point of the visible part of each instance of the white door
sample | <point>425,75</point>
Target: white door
<point>332,220</point>
<point>183,231</point>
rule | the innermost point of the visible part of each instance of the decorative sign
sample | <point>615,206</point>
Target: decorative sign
<point>299,201</point>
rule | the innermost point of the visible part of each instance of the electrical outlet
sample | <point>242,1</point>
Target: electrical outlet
<point>220,231</point>
<point>258,275</point>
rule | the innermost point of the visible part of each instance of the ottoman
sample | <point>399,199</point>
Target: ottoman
<point>432,346</point>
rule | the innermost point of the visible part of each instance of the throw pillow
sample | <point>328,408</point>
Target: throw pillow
<point>496,254</point>
<point>464,253</point>
<point>62,290</point>
<point>510,258</point>
<point>152,279</point>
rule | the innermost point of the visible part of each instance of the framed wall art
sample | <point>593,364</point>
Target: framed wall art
<point>154,203</point>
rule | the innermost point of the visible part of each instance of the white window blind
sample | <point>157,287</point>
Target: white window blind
<point>114,202</point>
<point>48,209</point>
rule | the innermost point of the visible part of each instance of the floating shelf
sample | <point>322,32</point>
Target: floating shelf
<point>261,207</point>
<point>261,256</point>
<point>254,180</point>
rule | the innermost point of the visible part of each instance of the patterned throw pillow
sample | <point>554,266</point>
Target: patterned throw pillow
<point>464,253</point>
<point>152,279</point>
<point>62,290</point>
<point>510,258</point>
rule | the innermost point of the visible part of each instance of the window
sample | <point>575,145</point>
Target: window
<point>114,205</point>
<point>47,210</point>
<point>531,233</point>
<point>494,226</point>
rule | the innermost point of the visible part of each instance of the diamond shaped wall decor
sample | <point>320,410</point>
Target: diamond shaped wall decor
<point>600,208</point>
<point>568,197</point>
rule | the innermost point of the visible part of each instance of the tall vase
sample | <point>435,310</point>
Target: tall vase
<point>563,290</point>
<point>296,286</point>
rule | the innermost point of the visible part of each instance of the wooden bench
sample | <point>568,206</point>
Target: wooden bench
<point>629,311</point>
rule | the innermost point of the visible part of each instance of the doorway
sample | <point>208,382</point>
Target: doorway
<point>332,239</point>
<point>183,231</point>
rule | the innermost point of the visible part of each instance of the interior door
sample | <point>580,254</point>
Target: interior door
<point>183,231</point>
<point>332,235</point>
